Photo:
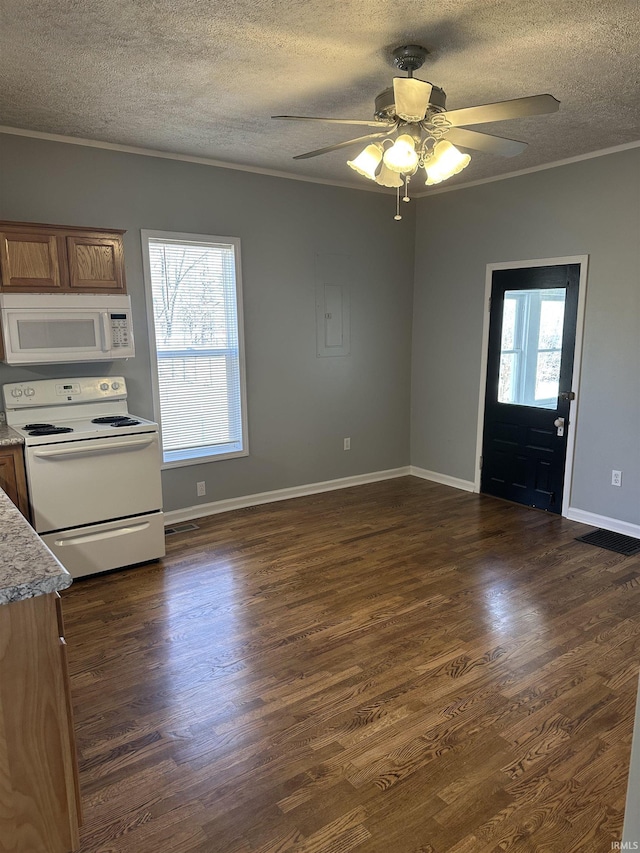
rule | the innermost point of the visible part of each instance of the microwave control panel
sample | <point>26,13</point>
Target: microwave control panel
<point>119,330</point>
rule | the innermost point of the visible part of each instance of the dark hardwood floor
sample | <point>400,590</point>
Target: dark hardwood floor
<point>394,668</point>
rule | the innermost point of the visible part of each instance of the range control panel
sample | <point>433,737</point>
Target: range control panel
<point>53,392</point>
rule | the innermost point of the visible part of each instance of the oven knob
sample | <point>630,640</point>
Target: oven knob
<point>29,392</point>
<point>115,385</point>
<point>104,386</point>
<point>17,392</point>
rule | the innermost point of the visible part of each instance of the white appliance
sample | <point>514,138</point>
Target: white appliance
<point>52,328</point>
<point>93,471</point>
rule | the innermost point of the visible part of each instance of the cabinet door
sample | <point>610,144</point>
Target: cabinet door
<point>96,263</point>
<point>38,795</point>
<point>30,261</point>
<point>12,477</point>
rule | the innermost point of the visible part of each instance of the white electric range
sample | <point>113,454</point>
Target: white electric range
<point>93,471</point>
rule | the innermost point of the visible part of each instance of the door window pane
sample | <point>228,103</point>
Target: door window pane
<point>508,369</point>
<point>531,347</point>
<point>547,376</point>
<point>509,323</point>
<point>551,322</point>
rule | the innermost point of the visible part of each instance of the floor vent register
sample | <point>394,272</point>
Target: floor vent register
<point>617,542</point>
<point>182,528</point>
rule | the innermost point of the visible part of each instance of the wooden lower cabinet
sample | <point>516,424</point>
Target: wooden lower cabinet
<point>39,794</point>
<point>12,476</point>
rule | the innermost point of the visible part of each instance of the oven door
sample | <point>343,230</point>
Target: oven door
<point>92,480</point>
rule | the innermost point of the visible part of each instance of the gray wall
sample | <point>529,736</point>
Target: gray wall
<point>300,406</point>
<point>591,207</point>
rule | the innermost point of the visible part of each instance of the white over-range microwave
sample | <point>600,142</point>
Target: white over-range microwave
<point>43,328</point>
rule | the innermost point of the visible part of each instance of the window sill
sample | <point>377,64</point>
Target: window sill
<point>201,460</point>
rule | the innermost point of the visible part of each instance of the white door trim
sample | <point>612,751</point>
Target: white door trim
<point>583,261</point>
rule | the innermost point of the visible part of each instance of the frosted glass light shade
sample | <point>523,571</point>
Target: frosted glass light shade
<point>388,178</point>
<point>367,161</point>
<point>445,162</point>
<point>401,157</point>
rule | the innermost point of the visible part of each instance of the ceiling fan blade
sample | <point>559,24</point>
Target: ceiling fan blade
<point>517,108</point>
<point>339,145</point>
<point>371,123</point>
<point>485,142</point>
<point>411,98</point>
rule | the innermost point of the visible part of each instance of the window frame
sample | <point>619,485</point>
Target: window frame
<point>528,313</point>
<point>178,236</point>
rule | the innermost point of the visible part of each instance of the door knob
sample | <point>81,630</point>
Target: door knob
<point>559,424</point>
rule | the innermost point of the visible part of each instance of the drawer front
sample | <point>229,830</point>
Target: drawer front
<point>88,550</point>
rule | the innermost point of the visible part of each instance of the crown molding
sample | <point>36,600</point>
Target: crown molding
<point>273,173</point>
<point>604,152</point>
<point>184,158</point>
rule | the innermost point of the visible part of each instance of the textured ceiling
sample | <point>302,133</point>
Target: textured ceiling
<point>203,77</point>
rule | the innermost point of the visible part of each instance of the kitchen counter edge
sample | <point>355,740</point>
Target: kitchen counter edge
<point>9,437</point>
<point>27,566</point>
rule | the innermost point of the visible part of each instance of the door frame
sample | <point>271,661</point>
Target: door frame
<point>583,261</point>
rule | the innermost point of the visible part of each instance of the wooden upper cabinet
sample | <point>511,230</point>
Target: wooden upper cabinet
<point>95,263</point>
<point>38,258</point>
<point>30,261</point>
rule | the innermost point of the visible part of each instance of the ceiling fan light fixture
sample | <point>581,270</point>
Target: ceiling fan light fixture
<point>411,117</point>
<point>367,161</point>
<point>402,156</point>
<point>445,162</point>
<point>386,177</point>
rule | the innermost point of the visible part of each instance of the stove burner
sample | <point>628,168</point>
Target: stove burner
<point>49,430</point>
<point>38,426</point>
<point>116,420</point>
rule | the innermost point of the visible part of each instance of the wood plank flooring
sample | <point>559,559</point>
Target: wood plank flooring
<point>398,667</point>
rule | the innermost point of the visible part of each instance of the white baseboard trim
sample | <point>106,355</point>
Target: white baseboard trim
<point>443,479</point>
<point>201,510</point>
<point>615,524</point>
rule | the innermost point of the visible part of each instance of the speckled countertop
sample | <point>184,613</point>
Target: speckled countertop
<point>9,436</point>
<point>27,566</point>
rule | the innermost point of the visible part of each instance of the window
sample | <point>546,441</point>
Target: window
<point>194,300</point>
<point>530,357</point>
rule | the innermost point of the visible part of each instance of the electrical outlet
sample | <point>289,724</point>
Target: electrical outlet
<point>201,489</point>
<point>616,478</point>
<point>347,444</point>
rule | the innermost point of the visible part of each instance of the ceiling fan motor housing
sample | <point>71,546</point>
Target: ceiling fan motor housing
<point>385,102</point>
<point>410,57</point>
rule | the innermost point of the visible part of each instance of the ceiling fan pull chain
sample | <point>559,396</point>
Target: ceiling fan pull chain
<point>398,215</point>
<point>406,188</point>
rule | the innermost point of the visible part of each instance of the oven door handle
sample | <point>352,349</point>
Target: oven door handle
<point>107,447</point>
<point>105,534</point>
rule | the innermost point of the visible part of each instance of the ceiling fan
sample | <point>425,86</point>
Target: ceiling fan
<point>415,130</point>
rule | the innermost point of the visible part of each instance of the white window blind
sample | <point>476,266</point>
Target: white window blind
<point>196,306</point>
